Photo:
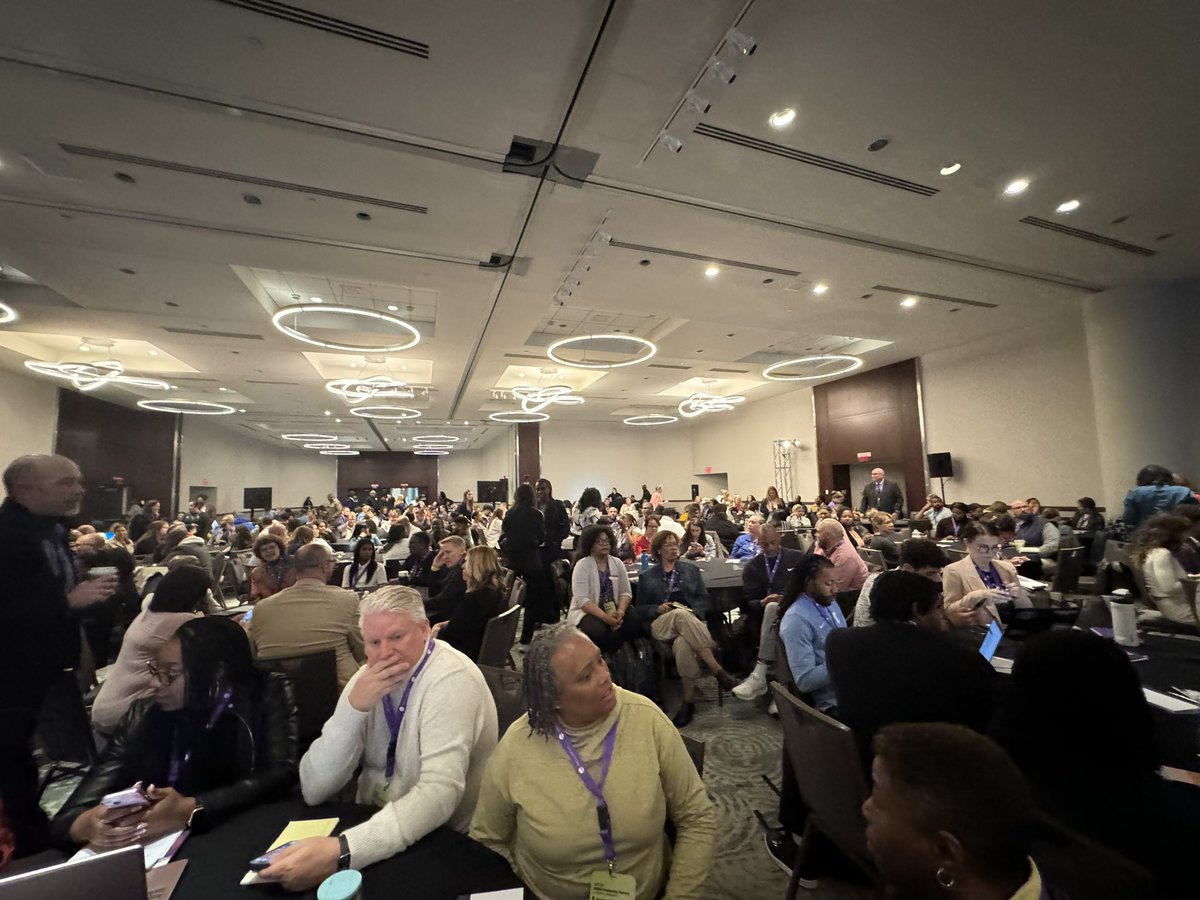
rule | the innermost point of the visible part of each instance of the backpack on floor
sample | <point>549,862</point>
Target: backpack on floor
<point>632,667</point>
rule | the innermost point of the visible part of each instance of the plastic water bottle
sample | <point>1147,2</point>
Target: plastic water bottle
<point>645,558</point>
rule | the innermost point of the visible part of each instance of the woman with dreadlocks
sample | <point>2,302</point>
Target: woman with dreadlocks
<point>580,788</point>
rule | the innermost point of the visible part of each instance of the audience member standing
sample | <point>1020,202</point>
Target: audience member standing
<point>882,494</point>
<point>39,635</point>
<point>522,535</point>
<point>1155,492</point>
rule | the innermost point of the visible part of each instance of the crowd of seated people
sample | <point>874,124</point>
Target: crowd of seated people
<point>190,681</point>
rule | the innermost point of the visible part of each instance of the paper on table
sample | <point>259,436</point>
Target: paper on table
<point>1002,665</point>
<point>154,852</point>
<point>296,830</point>
<point>510,894</point>
<point>1169,703</point>
<point>1031,584</point>
<point>161,880</point>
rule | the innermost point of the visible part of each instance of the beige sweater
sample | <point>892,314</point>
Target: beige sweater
<point>534,809</point>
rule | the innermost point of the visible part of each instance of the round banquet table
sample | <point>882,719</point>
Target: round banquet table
<point>444,865</point>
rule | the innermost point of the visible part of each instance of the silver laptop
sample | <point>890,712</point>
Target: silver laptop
<point>119,875</point>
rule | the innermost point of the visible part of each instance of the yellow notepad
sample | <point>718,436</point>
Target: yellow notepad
<point>296,830</point>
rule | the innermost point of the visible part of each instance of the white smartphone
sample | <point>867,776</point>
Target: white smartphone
<point>130,798</point>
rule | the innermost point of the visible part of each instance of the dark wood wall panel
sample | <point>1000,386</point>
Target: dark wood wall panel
<point>877,412</point>
<point>529,452</point>
<point>388,470</point>
<point>108,441</point>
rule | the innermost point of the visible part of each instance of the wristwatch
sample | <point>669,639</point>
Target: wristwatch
<point>343,862</point>
<point>199,807</point>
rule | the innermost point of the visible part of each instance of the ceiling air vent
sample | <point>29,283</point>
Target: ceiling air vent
<point>277,383</point>
<point>330,25</point>
<point>200,332</point>
<point>811,159</point>
<point>1088,236</point>
<point>700,257</point>
<point>667,366</point>
<point>130,159</point>
<point>925,295</point>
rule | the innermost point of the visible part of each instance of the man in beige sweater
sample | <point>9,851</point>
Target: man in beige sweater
<point>310,616</point>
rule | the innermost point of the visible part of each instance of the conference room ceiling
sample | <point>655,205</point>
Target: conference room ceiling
<point>172,174</point>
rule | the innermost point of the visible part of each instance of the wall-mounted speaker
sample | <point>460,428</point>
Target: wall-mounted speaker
<point>940,465</point>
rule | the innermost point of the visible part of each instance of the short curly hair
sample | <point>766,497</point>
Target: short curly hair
<point>268,538</point>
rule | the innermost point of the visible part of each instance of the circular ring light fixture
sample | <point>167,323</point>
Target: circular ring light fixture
<point>700,403</point>
<point>90,376</point>
<point>7,314</point>
<point>518,417</point>
<point>647,350</point>
<point>292,331</point>
<point>308,436</point>
<point>187,407</point>
<point>651,419</point>
<point>392,413</point>
<point>431,452</point>
<point>852,363</point>
<point>536,399</point>
<point>437,438</point>
<point>326,446</point>
<point>339,453</point>
<point>378,387</point>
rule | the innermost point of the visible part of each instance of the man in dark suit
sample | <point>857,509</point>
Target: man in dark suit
<point>903,669</point>
<point>882,494</point>
<point>718,523</point>
<point>763,582</point>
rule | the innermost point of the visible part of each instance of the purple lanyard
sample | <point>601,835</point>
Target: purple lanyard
<point>825,615</point>
<point>671,583</point>
<point>395,717</point>
<point>991,577</point>
<point>772,568</point>
<point>177,763</point>
<point>596,790</point>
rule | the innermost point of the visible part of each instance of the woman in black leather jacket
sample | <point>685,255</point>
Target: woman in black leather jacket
<point>218,736</point>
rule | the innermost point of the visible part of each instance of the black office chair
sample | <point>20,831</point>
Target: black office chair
<point>1079,867</point>
<point>695,749</point>
<point>507,688</point>
<point>498,637</point>
<point>1070,568</point>
<point>315,678</point>
<point>64,733</point>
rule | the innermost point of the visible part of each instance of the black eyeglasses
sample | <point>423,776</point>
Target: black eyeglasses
<point>165,677</point>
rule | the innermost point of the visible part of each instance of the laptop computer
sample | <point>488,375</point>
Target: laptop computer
<point>119,875</point>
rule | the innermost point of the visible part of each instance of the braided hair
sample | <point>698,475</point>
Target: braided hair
<point>540,688</point>
<point>801,576</point>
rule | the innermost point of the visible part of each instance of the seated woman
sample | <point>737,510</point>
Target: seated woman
<point>179,597</point>
<point>1112,790</point>
<point>699,544</point>
<point>853,527</point>
<point>364,571</point>
<point>365,529</point>
<point>482,601</point>
<point>798,518</point>
<point>1159,539</point>
<point>151,538</point>
<point>242,538</point>
<point>275,572</point>
<point>535,809</point>
<point>120,537</point>
<point>884,538</point>
<point>419,566</point>
<point>600,592</point>
<point>179,541</point>
<point>626,531</point>
<point>981,579</point>
<point>590,511</point>
<point>936,828</point>
<point>672,605</point>
<point>395,543</point>
<point>219,736</point>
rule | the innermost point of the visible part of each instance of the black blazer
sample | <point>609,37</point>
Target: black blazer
<point>889,500</point>
<point>945,528</point>
<point>446,596</point>
<point>248,757</point>
<point>464,631</point>
<point>523,531</point>
<point>725,530</point>
<point>890,672</point>
<point>755,584</point>
<point>558,524</point>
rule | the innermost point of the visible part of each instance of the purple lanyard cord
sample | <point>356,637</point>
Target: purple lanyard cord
<point>395,717</point>
<point>596,790</point>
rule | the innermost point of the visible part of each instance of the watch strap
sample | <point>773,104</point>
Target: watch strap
<point>199,808</point>
<point>343,853</point>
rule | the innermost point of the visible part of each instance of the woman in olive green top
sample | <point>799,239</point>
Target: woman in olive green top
<point>548,819</point>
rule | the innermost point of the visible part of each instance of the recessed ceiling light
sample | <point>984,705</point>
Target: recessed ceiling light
<point>222,389</point>
<point>1016,187</point>
<point>393,308</point>
<point>951,169</point>
<point>337,420</point>
<point>153,352</point>
<point>85,347</point>
<point>783,118</point>
<point>328,413</point>
<point>316,300</point>
<point>712,272</point>
<point>1069,207</point>
<point>820,288</point>
<point>908,302</point>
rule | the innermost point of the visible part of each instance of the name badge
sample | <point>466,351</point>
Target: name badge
<point>603,885</point>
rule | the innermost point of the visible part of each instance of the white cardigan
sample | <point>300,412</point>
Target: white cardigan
<point>448,734</point>
<point>585,585</point>
<point>1162,572</point>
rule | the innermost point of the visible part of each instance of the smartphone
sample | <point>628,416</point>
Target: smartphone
<point>261,862</point>
<point>102,572</point>
<point>130,798</point>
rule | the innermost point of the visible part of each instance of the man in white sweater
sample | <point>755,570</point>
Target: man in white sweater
<point>420,720</point>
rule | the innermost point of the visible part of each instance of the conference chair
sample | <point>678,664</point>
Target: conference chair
<point>64,733</point>
<point>1070,568</point>
<point>516,593</point>
<point>695,751</point>
<point>873,559</point>
<point>829,776</point>
<point>507,576</point>
<point>1080,867</point>
<point>314,676</point>
<point>789,540</point>
<point>954,554</point>
<point>498,637</point>
<point>507,688</point>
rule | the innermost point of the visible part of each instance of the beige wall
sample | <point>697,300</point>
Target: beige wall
<point>1016,414</point>
<point>29,411</point>
<point>604,456</point>
<point>231,462</point>
<point>463,469</point>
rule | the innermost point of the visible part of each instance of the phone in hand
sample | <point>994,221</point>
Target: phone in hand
<point>261,862</point>
<point>130,798</point>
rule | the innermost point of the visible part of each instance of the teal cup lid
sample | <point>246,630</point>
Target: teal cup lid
<point>340,886</point>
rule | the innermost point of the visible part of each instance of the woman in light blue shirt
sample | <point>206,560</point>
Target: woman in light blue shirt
<point>807,614</point>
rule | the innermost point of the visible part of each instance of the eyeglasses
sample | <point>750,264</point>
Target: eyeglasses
<point>165,677</point>
<point>986,549</point>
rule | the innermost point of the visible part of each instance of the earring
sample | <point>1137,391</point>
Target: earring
<point>943,880</point>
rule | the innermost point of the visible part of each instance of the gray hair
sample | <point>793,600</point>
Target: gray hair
<point>393,599</point>
<point>540,686</point>
<point>311,557</point>
<point>25,470</point>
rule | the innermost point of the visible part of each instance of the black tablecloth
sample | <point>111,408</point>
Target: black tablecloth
<point>442,866</point>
